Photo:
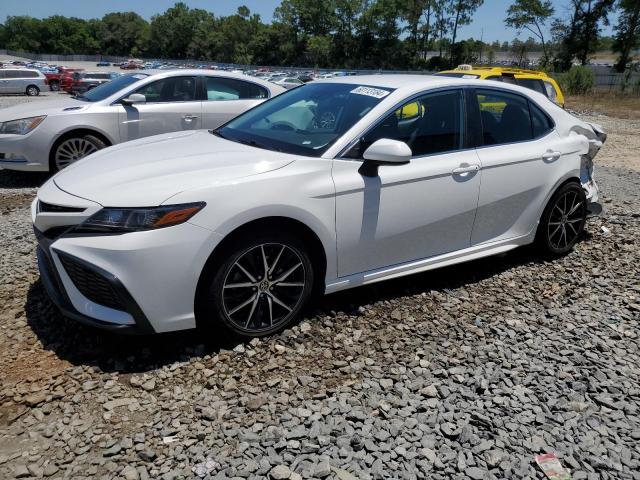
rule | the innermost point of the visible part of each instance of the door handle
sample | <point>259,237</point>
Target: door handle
<point>189,118</point>
<point>550,156</point>
<point>466,169</point>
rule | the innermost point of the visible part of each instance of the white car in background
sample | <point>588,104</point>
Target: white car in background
<point>329,186</point>
<point>50,135</point>
<point>289,82</point>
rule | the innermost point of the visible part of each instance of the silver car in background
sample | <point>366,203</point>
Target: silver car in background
<point>85,81</point>
<point>22,80</point>
<point>48,136</point>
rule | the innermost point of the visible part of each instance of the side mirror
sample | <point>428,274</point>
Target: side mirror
<point>133,99</point>
<point>384,152</point>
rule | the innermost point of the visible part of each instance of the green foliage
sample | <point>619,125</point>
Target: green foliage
<point>578,80</point>
<point>531,15</point>
<point>627,36</point>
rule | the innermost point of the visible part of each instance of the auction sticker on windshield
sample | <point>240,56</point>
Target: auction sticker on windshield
<point>370,92</point>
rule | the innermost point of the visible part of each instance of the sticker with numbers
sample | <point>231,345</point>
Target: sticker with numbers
<point>370,92</point>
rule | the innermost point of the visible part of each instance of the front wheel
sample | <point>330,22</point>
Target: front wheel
<point>73,149</point>
<point>563,220</point>
<point>54,86</point>
<point>261,286</point>
<point>32,91</point>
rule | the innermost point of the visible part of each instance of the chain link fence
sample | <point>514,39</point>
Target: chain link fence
<point>606,81</point>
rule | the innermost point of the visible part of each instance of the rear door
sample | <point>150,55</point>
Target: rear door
<point>522,158</point>
<point>173,104</point>
<point>226,98</point>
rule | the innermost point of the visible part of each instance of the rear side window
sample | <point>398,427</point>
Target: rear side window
<point>540,122</point>
<point>510,118</point>
<point>171,89</point>
<point>220,88</point>
<point>533,84</point>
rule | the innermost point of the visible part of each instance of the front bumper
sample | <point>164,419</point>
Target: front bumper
<point>23,152</point>
<point>151,276</point>
<point>55,289</point>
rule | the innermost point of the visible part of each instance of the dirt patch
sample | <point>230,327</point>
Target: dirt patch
<point>620,106</point>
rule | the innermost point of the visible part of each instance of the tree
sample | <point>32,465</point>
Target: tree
<point>462,12</point>
<point>123,33</point>
<point>627,30</point>
<point>319,50</point>
<point>531,15</point>
<point>579,36</point>
<point>23,33</point>
<point>172,32</point>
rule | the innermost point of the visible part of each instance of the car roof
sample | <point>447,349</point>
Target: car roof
<point>211,73</point>
<point>498,70</point>
<point>395,81</point>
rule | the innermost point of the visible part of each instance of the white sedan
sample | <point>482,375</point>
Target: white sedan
<point>41,136</point>
<point>332,185</point>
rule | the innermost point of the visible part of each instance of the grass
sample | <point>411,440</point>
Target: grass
<point>611,104</point>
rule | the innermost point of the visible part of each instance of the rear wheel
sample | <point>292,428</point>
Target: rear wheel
<point>563,220</point>
<point>32,91</point>
<point>261,286</point>
<point>54,86</point>
<point>72,149</point>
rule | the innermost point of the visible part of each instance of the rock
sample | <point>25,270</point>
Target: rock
<point>475,473</point>
<point>130,473</point>
<point>430,391</point>
<point>149,385</point>
<point>35,399</point>
<point>20,471</point>
<point>323,469</point>
<point>114,450</point>
<point>280,472</point>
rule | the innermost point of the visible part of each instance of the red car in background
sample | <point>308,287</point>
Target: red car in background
<point>57,80</point>
<point>67,78</point>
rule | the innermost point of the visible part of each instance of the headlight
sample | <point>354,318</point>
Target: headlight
<point>21,126</point>
<point>122,220</point>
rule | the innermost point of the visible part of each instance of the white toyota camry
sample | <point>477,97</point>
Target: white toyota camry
<point>50,135</point>
<point>329,186</point>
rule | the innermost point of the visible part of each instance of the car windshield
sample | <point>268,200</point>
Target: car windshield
<point>458,75</point>
<point>305,120</point>
<point>107,89</point>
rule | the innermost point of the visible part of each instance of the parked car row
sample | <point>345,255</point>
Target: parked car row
<point>336,184</point>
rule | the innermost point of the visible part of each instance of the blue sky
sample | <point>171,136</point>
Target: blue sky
<point>488,19</point>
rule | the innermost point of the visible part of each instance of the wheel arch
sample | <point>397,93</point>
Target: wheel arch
<point>80,131</point>
<point>561,183</point>
<point>311,239</point>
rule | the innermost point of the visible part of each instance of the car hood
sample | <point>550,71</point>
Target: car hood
<point>148,171</point>
<point>34,109</point>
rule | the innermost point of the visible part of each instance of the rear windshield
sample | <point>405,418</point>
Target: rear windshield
<point>107,89</point>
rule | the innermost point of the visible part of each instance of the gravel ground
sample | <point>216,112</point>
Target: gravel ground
<point>466,372</point>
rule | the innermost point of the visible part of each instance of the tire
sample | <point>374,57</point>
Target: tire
<point>54,86</point>
<point>246,301</point>
<point>32,91</point>
<point>72,148</point>
<point>563,220</point>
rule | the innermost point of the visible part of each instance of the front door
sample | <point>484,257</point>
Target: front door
<point>172,105</point>
<point>414,211</point>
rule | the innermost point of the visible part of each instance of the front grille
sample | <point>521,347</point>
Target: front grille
<point>49,208</point>
<point>91,284</point>
<point>54,232</point>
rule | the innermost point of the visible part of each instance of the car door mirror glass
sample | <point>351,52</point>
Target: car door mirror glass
<point>133,99</point>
